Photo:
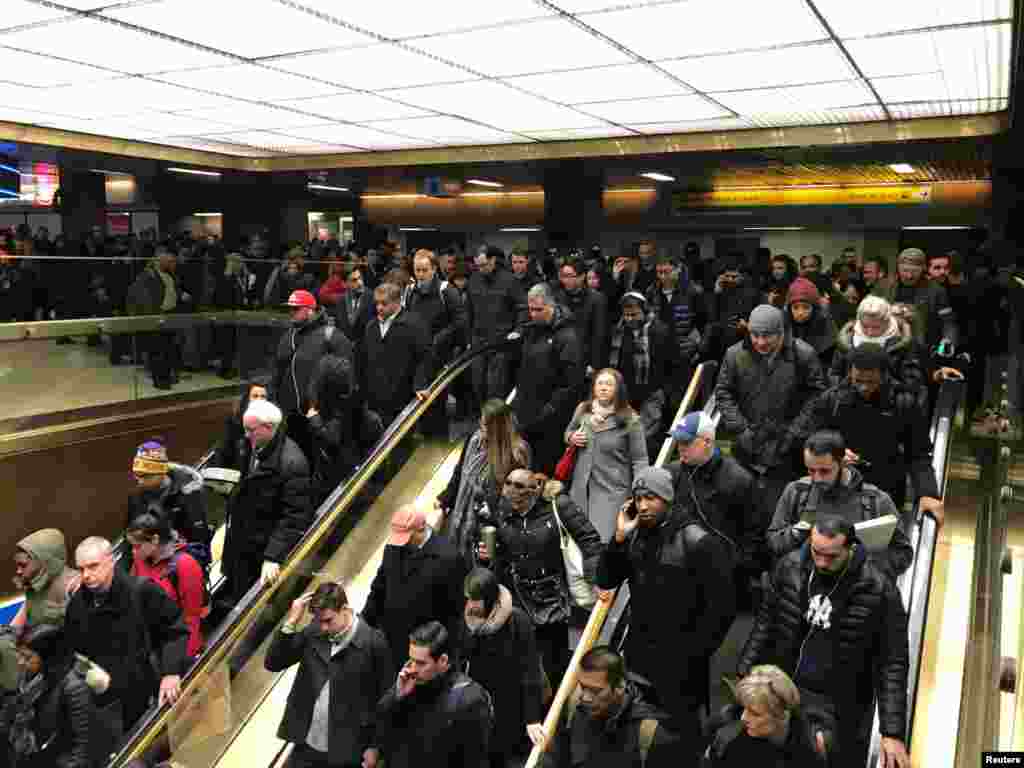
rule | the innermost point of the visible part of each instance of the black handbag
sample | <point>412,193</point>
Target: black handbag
<point>545,598</point>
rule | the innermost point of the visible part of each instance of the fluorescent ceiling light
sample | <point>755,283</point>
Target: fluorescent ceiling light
<point>109,173</point>
<point>773,229</point>
<point>374,67</point>
<point>568,134</point>
<point>708,26</point>
<point>357,135</point>
<point>484,183</point>
<point>417,229</point>
<point>655,176</point>
<point>255,117</point>
<point>763,69</point>
<point>194,171</point>
<point>126,96</point>
<point>694,126</point>
<point>903,167</point>
<point>447,130</point>
<point>939,227</point>
<point>630,81</point>
<point>207,215</point>
<point>947,108</point>
<point>930,86</point>
<point>43,72</point>
<point>663,109</point>
<point>804,98</point>
<point>270,28</point>
<point>249,81</point>
<point>521,229</point>
<point>870,17</point>
<point>632,191</point>
<point>427,18</point>
<point>501,194</point>
<point>356,107</point>
<point>327,188</point>
<point>553,44</point>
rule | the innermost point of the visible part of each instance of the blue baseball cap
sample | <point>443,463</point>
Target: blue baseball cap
<point>693,426</point>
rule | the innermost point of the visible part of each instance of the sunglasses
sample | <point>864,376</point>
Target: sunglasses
<point>518,485</point>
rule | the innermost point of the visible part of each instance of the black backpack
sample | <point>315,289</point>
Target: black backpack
<point>202,555</point>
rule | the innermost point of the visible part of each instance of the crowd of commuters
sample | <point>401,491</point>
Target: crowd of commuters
<point>466,631</point>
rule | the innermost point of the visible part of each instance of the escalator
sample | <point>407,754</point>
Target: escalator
<point>230,706</point>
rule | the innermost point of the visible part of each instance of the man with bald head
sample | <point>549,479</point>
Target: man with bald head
<point>118,620</point>
<point>419,580</point>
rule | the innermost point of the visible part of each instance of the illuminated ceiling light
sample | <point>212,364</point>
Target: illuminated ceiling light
<point>956,226</point>
<point>194,171</point>
<point>327,188</point>
<point>773,229</point>
<point>521,229</point>
<point>655,176</point>
<point>109,173</point>
<point>406,196</point>
<point>207,215</point>
<point>902,167</point>
<point>632,191</point>
<point>417,229</point>
<point>484,183</point>
<point>10,169</point>
<point>501,194</point>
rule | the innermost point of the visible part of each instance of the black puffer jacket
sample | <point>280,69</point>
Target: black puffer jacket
<point>762,399</point>
<point>722,493</point>
<point>298,354</point>
<point>270,509</point>
<point>441,313</point>
<point>590,318</point>
<point>180,501</point>
<point>908,360</point>
<point>681,597</point>
<point>550,376</point>
<point>495,303</point>
<point>682,312</point>
<point>731,747</point>
<point>869,639</point>
<point>66,714</point>
<point>529,546</point>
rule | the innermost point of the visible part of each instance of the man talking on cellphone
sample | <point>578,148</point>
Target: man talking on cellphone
<point>670,559</point>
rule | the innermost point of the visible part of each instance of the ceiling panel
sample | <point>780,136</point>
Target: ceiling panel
<point>19,12</point>
<point>128,95</point>
<point>42,71</point>
<point>694,126</point>
<point>849,93</point>
<point>398,19</point>
<point>673,108</point>
<point>31,116</point>
<point>494,104</point>
<point>389,136</point>
<point>973,62</point>
<point>554,44</point>
<point>257,116</point>
<point>946,108</point>
<point>631,81</point>
<point>568,134</point>
<point>762,69</point>
<point>109,45</point>
<point>797,115</point>
<point>356,107</point>
<point>868,17</point>
<point>708,26</point>
<point>277,142</point>
<point>251,81</point>
<point>213,145</point>
<point>926,87</point>
<point>267,28</point>
<point>450,130</point>
<point>374,68</point>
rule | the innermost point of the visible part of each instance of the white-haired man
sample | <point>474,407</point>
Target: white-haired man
<point>272,507</point>
<point>119,621</point>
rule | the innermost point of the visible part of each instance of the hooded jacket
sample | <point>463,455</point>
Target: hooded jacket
<point>298,355</point>
<point>908,362</point>
<point>868,638</point>
<point>46,598</point>
<point>586,742</point>
<point>850,498</point>
<point>818,331</point>
<point>500,653</point>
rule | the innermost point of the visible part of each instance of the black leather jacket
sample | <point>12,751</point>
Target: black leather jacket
<point>870,638</point>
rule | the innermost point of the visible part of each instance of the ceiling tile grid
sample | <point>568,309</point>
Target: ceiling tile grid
<point>314,76</point>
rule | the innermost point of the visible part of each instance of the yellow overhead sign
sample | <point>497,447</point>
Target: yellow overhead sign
<point>896,194</point>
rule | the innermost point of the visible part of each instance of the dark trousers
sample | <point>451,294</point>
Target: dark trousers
<point>162,355</point>
<point>490,377</point>
<point>303,756</point>
<point>244,571</point>
<point>298,430</point>
<point>553,646</point>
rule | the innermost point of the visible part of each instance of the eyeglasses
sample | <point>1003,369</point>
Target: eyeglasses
<point>518,485</point>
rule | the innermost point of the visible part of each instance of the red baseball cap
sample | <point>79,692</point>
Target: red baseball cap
<point>302,299</point>
<point>404,523</point>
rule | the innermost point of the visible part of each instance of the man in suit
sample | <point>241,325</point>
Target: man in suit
<point>419,579</point>
<point>393,358</point>
<point>344,670</point>
<point>354,310</point>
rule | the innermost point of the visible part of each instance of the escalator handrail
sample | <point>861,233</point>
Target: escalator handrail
<point>599,612</point>
<point>246,613</point>
<point>915,584</point>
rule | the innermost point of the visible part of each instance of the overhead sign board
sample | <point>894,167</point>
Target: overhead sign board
<point>897,194</point>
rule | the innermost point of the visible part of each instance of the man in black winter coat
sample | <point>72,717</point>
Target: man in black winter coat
<point>296,363</point>
<point>394,362</point>
<point>671,560</point>
<point>173,491</point>
<point>118,621</point>
<point>433,716</point>
<point>611,724</point>
<point>270,509</point>
<point>677,302</point>
<point>344,669</point>
<point>589,313</point>
<point>495,304</point>
<point>497,647</point>
<point>420,578</point>
<point>728,305</point>
<point>550,381</point>
<point>835,623</point>
<point>886,431</point>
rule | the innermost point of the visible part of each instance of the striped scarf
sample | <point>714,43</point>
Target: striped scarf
<point>641,349</point>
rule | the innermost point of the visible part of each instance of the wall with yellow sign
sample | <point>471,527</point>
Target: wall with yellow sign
<point>904,194</point>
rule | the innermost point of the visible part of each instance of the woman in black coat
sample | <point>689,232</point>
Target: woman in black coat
<point>333,423</point>
<point>54,724</point>
<point>528,558</point>
<point>230,447</point>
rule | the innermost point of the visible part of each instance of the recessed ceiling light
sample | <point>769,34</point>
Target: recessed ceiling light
<point>655,176</point>
<point>109,173</point>
<point>327,188</point>
<point>417,229</point>
<point>958,226</point>
<point>484,183</point>
<point>774,229</point>
<point>903,167</point>
<point>207,215</point>
<point>521,229</point>
<point>194,171</point>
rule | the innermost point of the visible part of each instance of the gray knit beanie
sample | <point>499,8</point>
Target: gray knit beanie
<point>765,320</point>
